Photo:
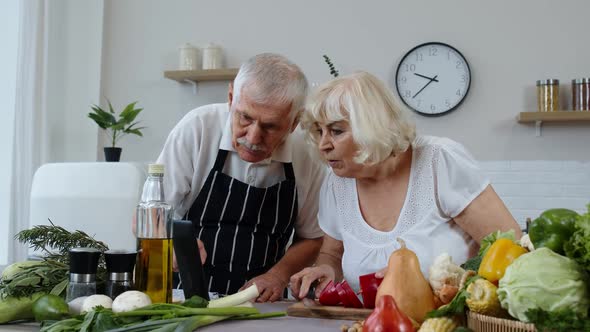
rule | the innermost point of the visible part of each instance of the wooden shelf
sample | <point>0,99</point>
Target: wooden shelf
<point>561,116</point>
<point>225,74</point>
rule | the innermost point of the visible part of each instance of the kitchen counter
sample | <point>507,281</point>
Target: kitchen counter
<point>283,324</point>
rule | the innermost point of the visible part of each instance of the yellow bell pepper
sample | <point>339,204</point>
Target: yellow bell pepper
<point>500,254</point>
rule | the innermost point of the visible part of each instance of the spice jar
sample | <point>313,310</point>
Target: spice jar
<point>212,57</point>
<point>581,94</point>
<point>120,264</point>
<point>189,57</point>
<point>83,265</point>
<point>548,95</point>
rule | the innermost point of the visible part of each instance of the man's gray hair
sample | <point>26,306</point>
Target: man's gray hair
<point>271,79</point>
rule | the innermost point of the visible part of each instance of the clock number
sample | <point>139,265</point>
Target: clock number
<point>408,93</point>
<point>432,51</point>
<point>447,103</point>
<point>458,92</point>
<point>432,107</point>
<point>459,64</point>
<point>404,80</point>
<point>411,67</point>
<point>419,57</point>
<point>463,78</point>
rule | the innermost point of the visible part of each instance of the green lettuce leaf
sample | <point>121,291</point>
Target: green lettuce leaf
<point>578,246</point>
<point>487,241</point>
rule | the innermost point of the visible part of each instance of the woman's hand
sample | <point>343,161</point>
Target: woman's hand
<point>301,281</point>
<point>381,273</point>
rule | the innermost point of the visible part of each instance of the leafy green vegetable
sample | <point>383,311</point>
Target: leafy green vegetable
<point>473,263</point>
<point>462,329</point>
<point>487,241</point>
<point>558,321</point>
<point>158,317</point>
<point>47,276</point>
<point>196,302</point>
<point>457,305</point>
<point>578,246</point>
<point>546,280</point>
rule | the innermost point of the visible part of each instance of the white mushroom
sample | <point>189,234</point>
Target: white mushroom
<point>130,300</point>
<point>96,300</point>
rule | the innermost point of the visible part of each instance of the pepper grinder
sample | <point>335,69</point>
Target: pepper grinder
<point>83,265</point>
<point>120,264</point>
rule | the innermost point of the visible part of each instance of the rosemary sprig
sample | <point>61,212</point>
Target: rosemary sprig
<point>55,242</point>
<point>45,238</point>
<point>333,70</point>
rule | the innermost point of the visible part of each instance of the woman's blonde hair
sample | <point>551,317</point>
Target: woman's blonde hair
<point>380,127</point>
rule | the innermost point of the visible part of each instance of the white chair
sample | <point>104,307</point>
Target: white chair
<point>96,198</point>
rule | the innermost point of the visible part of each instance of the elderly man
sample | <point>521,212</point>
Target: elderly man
<point>241,172</point>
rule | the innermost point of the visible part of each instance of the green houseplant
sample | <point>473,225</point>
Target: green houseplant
<point>115,127</point>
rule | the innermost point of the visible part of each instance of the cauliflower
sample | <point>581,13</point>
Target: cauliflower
<point>525,241</point>
<point>445,277</point>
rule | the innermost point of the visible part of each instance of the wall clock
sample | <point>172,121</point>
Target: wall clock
<point>433,78</point>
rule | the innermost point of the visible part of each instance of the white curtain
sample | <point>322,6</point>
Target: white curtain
<point>30,132</point>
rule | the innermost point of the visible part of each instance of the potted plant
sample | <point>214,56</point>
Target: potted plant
<point>116,128</point>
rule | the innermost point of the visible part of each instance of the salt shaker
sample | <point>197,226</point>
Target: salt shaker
<point>83,266</point>
<point>189,57</point>
<point>212,57</point>
<point>120,264</point>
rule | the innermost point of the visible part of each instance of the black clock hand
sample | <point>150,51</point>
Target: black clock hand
<point>431,80</point>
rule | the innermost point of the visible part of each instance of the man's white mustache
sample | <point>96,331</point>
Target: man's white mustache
<point>244,142</point>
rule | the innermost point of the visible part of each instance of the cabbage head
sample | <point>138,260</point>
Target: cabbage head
<point>546,280</point>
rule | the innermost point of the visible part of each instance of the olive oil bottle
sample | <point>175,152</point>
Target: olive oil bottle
<point>153,271</point>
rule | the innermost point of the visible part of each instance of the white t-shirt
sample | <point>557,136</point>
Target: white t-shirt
<point>191,148</point>
<point>444,179</point>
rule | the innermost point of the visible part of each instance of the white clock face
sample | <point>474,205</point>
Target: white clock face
<point>433,78</point>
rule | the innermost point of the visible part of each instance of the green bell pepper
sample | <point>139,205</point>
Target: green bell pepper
<point>552,229</point>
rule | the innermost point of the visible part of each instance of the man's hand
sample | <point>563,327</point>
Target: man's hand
<point>202,253</point>
<point>270,286</point>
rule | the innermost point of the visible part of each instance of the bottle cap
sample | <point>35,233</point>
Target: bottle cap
<point>84,260</point>
<point>120,260</point>
<point>156,169</point>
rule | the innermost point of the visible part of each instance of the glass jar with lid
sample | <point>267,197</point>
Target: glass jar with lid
<point>581,94</point>
<point>548,95</point>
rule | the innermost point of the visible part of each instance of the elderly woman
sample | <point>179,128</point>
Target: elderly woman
<point>387,183</point>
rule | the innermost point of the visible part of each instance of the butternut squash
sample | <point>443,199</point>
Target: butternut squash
<point>404,281</point>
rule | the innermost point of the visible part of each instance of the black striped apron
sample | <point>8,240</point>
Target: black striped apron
<point>245,229</point>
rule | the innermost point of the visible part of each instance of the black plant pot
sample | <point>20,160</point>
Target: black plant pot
<point>112,154</point>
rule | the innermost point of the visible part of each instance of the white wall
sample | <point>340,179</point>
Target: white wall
<point>9,21</point>
<point>73,70</point>
<point>120,51</point>
<point>530,187</point>
<point>508,44</point>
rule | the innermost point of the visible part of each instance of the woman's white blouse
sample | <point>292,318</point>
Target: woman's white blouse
<point>444,179</point>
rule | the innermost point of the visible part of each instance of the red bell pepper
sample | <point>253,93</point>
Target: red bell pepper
<point>329,295</point>
<point>369,284</point>
<point>348,296</point>
<point>387,318</point>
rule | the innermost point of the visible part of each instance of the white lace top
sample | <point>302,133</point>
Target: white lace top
<point>444,179</point>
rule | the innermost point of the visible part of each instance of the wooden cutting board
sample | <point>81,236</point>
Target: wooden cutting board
<point>316,310</point>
